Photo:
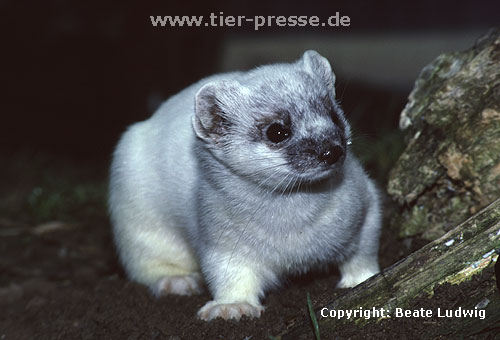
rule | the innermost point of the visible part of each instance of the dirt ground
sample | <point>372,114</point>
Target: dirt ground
<point>62,280</point>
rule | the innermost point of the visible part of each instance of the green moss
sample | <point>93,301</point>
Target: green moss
<point>416,223</point>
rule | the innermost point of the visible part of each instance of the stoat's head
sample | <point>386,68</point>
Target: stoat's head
<point>278,125</point>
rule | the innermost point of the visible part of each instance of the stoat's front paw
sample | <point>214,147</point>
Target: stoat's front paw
<point>351,280</point>
<point>180,285</point>
<point>227,311</point>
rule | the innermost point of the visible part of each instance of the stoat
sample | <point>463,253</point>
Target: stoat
<point>240,179</point>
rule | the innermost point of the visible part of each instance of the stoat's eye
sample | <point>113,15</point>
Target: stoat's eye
<point>277,133</point>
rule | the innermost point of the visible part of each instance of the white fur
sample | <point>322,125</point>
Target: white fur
<point>184,203</point>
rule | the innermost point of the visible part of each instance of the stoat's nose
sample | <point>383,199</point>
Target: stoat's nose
<point>331,154</point>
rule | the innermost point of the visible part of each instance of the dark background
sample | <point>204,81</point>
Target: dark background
<point>75,74</point>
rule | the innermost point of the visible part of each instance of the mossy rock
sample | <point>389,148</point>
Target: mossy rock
<point>450,168</point>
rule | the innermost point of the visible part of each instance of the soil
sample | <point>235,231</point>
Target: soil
<point>62,280</point>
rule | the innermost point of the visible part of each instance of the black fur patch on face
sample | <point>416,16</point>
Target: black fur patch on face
<point>302,155</point>
<point>324,105</point>
<point>336,119</point>
<point>334,112</point>
<point>306,153</point>
<point>280,117</point>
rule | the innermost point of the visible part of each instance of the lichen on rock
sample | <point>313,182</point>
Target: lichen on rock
<point>451,165</point>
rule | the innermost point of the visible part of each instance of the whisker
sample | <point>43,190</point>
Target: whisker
<point>274,166</point>
<point>343,91</point>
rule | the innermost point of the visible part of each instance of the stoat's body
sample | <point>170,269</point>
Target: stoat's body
<point>240,179</point>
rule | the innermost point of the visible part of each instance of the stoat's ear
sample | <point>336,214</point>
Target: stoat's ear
<point>210,122</point>
<point>319,66</point>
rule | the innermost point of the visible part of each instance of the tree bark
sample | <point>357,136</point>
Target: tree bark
<point>451,166</point>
